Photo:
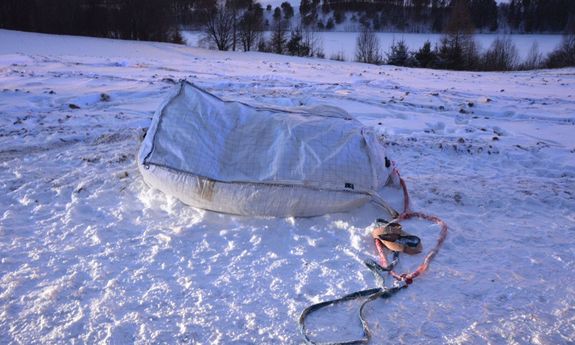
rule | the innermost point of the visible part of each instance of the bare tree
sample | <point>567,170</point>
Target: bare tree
<point>339,56</point>
<point>501,56</point>
<point>534,59</point>
<point>314,42</point>
<point>564,54</point>
<point>367,47</point>
<point>251,26</point>
<point>219,28</point>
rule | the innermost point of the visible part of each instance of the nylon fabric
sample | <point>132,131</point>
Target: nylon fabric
<point>237,158</point>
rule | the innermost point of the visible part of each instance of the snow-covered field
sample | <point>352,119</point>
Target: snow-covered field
<point>343,43</point>
<point>90,254</point>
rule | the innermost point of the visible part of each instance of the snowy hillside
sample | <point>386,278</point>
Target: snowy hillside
<point>90,254</point>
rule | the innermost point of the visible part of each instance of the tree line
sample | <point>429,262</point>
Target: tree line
<point>538,15</point>
<point>457,49</point>
<point>518,16</point>
<point>150,20</point>
<point>234,25</point>
<point>237,25</point>
<point>159,20</point>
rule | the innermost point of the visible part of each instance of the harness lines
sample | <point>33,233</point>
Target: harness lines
<point>386,235</point>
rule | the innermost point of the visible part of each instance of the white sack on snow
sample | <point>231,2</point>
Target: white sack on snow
<point>235,158</point>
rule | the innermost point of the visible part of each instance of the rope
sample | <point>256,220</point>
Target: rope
<point>402,280</point>
<point>407,214</point>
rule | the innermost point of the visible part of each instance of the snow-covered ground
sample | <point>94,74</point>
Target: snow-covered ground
<point>90,254</point>
<point>343,43</point>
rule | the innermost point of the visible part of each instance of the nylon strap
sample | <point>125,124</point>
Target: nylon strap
<point>379,273</point>
<point>402,280</point>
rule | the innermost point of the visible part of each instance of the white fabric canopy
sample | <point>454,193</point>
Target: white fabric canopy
<point>196,134</point>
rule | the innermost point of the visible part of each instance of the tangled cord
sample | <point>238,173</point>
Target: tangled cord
<point>380,271</point>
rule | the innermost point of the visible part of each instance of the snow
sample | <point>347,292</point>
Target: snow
<point>90,254</point>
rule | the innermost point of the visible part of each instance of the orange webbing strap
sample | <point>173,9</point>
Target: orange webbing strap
<point>406,201</point>
<point>407,214</point>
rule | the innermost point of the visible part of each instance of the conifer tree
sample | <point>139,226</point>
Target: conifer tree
<point>458,50</point>
<point>399,54</point>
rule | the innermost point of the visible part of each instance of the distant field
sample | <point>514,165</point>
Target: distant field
<point>336,42</point>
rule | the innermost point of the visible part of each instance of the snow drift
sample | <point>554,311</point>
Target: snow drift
<point>236,158</point>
